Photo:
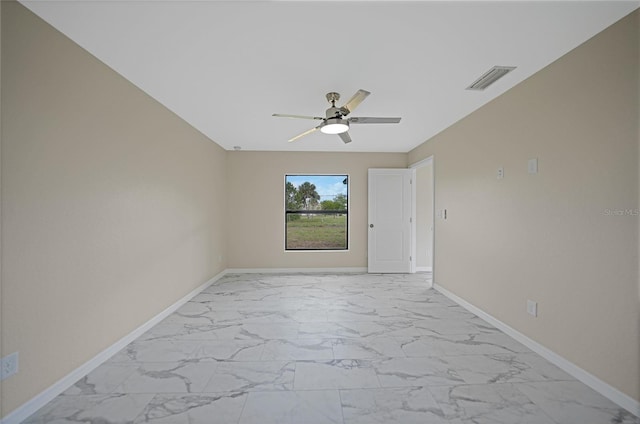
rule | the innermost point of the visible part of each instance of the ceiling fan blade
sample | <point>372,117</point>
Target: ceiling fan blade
<point>345,137</point>
<point>282,115</point>
<point>304,133</point>
<point>367,120</point>
<point>354,101</point>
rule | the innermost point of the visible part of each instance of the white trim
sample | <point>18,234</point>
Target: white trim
<point>413,231</point>
<point>34,404</point>
<point>605,389</point>
<point>422,162</point>
<point>433,218</point>
<point>424,269</point>
<point>345,270</point>
<point>425,162</point>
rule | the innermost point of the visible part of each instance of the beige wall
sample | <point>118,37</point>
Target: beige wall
<point>113,208</point>
<point>424,215</point>
<point>547,237</point>
<point>256,206</point>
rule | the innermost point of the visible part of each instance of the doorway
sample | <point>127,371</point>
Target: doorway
<point>424,213</point>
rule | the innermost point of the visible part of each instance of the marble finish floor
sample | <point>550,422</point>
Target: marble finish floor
<point>315,349</point>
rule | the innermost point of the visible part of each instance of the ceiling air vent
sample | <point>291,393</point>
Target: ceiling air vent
<point>491,76</point>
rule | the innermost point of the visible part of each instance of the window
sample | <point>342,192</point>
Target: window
<point>316,212</point>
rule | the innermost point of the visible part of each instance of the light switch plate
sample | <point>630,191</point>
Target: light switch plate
<point>533,166</point>
<point>9,365</point>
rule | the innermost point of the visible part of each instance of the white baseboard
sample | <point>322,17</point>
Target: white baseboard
<point>30,407</point>
<point>605,389</point>
<point>424,269</point>
<point>345,270</point>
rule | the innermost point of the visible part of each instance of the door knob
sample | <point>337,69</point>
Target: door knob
<point>370,225</point>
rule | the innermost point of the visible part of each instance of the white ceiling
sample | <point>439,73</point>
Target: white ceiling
<point>226,66</point>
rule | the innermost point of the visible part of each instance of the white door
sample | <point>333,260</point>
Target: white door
<point>390,223</point>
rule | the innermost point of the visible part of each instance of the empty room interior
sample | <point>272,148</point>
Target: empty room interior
<point>474,259</point>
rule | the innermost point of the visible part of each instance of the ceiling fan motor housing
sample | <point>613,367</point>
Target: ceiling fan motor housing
<point>334,112</point>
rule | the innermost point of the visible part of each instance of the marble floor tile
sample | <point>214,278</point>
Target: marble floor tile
<point>229,350</point>
<point>268,331</point>
<point>157,351</point>
<point>327,348</point>
<point>252,376</point>
<point>190,332</point>
<point>407,372</point>
<point>462,344</point>
<point>411,405</point>
<point>359,301</point>
<point>336,374</point>
<point>298,349</point>
<point>505,368</point>
<point>204,408</point>
<point>195,308</point>
<point>327,330</point>
<point>367,348</point>
<point>104,409</point>
<point>370,314</point>
<point>571,402</point>
<point>192,313</point>
<point>102,380</point>
<point>238,298</point>
<point>266,316</point>
<point>169,377</point>
<point>356,329</point>
<point>205,317</point>
<point>435,327</point>
<point>308,406</point>
<point>432,311</point>
<point>488,404</point>
<point>313,314</point>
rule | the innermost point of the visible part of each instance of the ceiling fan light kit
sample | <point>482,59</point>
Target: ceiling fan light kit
<point>335,126</point>
<point>334,122</point>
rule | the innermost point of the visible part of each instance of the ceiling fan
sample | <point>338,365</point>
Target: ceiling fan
<point>335,122</point>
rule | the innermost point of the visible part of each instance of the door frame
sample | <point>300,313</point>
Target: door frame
<point>430,160</point>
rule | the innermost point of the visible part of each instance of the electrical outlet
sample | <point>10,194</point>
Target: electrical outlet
<point>532,308</point>
<point>9,365</point>
<point>500,173</point>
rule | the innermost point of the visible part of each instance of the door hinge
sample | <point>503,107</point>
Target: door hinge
<point>410,181</point>
<point>411,220</point>
<point>410,259</point>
